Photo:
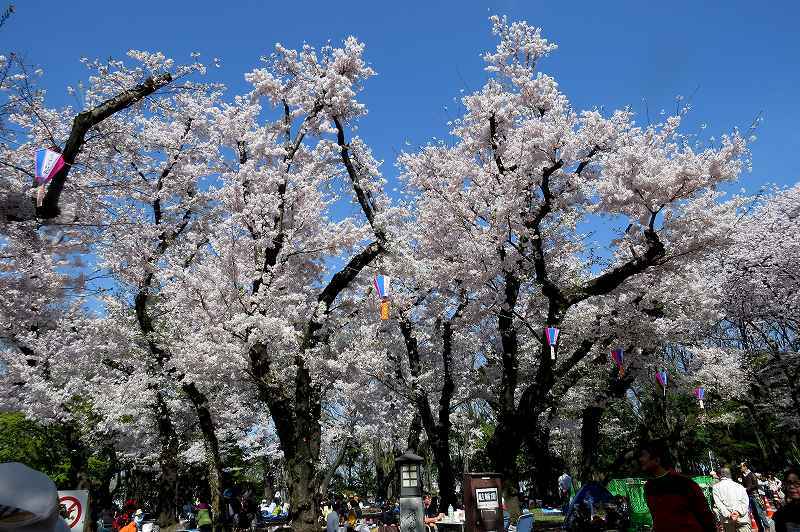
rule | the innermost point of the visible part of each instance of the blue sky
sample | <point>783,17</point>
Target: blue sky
<point>738,58</point>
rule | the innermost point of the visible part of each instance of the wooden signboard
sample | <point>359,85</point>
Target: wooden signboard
<point>483,498</point>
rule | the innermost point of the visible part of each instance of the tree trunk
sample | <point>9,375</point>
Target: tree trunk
<point>303,503</point>
<point>616,388</point>
<point>297,423</point>
<point>168,461</point>
<point>444,465</point>
<point>102,496</point>
<point>211,444</point>
<point>414,432</point>
<point>546,477</point>
<point>77,476</point>
<point>590,440</point>
<point>502,452</point>
<point>340,456</point>
<point>436,427</point>
<point>269,478</point>
<point>384,470</point>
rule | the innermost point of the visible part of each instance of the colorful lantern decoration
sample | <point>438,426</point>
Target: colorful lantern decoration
<point>551,334</point>
<point>661,377</point>
<point>700,393</point>
<point>618,356</point>
<point>48,163</point>
<point>382,288</point>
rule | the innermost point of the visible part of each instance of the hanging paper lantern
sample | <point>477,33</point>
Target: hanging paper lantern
<point>381,284</point>
<point>551,333</point>
<point>661,377</point>
<point>618,356</point>
<point>700,393</point>
<point>47,162</point>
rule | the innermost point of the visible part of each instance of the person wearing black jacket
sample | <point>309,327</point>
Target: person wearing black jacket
<point>787,519</point>
<point>750,483</point>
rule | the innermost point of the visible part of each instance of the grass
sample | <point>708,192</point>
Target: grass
<point>539,517</point>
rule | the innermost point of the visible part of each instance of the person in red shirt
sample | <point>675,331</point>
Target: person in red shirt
<point>676,502</point>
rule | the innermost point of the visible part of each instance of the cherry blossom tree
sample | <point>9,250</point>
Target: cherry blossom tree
<point>508,196</point>
<point>270,284</point>
<point>756,339</point>
<point>120,191</point>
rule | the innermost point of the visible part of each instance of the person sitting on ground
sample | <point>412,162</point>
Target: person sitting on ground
<point>355,504</point>
<point>138,518</point>
<point>332,520</point>
<point>275,507</point>
<point>676,502</point>
<point>787,519</point>
<point>431,515</point>
<point>564,490</point>
<point>777,490</point>
<point>731,503</point>
<point>203,519</point>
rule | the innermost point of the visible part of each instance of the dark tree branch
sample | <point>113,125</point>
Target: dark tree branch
<point>81,125</point>
<point>496,149</point>
<point>364,197</point>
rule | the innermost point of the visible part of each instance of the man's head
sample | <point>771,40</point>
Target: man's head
<point>654,457</point>
<point>743,467</point>
<point>725,472</point>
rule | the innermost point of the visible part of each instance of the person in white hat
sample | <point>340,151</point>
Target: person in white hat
<point>28,501</point>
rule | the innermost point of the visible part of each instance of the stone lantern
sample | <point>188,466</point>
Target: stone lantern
<point>409,469</point>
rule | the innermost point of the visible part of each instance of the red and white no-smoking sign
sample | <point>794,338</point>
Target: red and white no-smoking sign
<point>74,506</point>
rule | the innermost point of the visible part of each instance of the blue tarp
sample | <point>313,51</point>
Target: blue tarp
<point>593,492</point>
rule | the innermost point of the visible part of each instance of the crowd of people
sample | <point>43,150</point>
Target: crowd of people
<point>740,500</point>
<point>239,510</point>
<point>678,503</point>
<point>347,514</point>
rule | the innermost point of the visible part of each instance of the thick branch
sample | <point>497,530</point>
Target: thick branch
<point>610,280</point>
<point>82,124</point>
<point>496,149</point>
<point>363,196</point>
<point>549,289</point>
<point>510,345</point>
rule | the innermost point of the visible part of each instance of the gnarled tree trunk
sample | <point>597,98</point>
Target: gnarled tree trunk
<point>210,443</point>
<point>168,462</point>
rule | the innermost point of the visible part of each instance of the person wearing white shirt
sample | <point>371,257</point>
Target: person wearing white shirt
<point>564,489</point>
<point>731,503</point>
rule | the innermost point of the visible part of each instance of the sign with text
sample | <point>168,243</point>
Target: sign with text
<point>486,498</point>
